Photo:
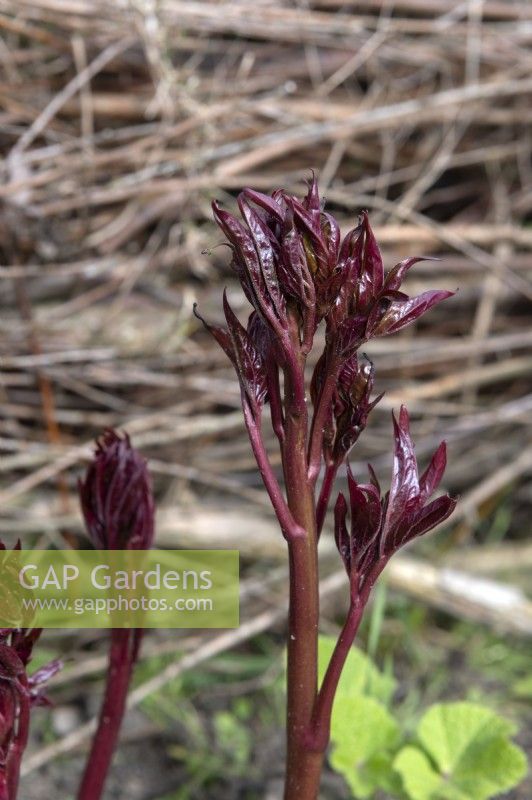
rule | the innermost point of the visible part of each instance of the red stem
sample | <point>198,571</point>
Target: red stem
<point>321,718</point>
<point>276,406</point>
<point>18,745</point>
<point>321,721</point>
<point>124,649</point>
<point>289,526</point>
<point>309,327</point>
<point>303,766</point>
<point>320,417</point>
<point>325,494</point>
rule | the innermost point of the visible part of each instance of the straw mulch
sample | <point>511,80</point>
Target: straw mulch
<point>120,121</point>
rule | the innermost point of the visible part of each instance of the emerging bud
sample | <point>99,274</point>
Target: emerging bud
<point>352,405</point>
<point>370,303</point>
<point>116,496</point>
<point>380,526</point>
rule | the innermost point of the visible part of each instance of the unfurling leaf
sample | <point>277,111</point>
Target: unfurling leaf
<point>380,526</point>
<point>248,350</point>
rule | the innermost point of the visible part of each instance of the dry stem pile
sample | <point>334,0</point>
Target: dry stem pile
<point>120,120</point>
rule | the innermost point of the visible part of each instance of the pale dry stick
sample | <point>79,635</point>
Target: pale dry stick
<point>334,159</point>
<point>14,527</point>
<point>263,542</point>
<point>436,166</point>
<point>88,268</point>
<point>356,61</point>
<point>494,483</point>
<point>389,146</point>
<point>265,147</point>
<point>157,467</point>
<point>189,429</point>
<point>32,32</point>
<point>83,389</point>
<point>94,665</point>
<point>501,606</point>
<point>170,195</point>
<point>445,234</point>
<point>430,350</point>
<point>277,18</point>
<point>43,360</point>
<point>45,177</point>
<point>493,9</point>
<point>474,41</point>
<point>75,85</point>
<point>455,381</point>
<point>17,411</point>
<point>211,479</point>
<point>493,283</point>
<point>11,68</point>
<point>466,158</point>
<point>279,23</point>
<point>506,557</point>
<point>517,411</point>
<point>85,95</point>
<point>87,299</point>
<point>164,77</point>
<point>87,8</point>
<point>426,232</point>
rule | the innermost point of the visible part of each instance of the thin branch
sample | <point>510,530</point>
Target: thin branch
<point>319,419</point>
<point>288,525</point>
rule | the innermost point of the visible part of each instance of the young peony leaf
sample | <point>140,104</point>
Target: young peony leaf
<point>363,737</point>
<point>247,350</point>
<point>266,255</point>
<point>247,361</point>
<point>407,516</point>
<point>264,201</point>
<point>253,261</point>
<point>403,312</point>
<point>371,271</point>
<point>470,749</point>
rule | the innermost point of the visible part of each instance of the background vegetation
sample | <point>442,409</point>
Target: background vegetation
<point>119,122</point>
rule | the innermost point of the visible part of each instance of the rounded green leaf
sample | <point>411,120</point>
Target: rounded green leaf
<point>419,778</point>
<point>364,736</point>
<point>467,755</point>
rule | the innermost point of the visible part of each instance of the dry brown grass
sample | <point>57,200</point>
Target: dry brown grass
<point>120,120</point>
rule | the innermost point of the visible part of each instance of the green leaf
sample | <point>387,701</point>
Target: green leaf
<point>364,736</point>
<point>522,688</point>
<point>359,677</point>
<point>419,778</point>
<point>232,738</point>
<point>467,755</point>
